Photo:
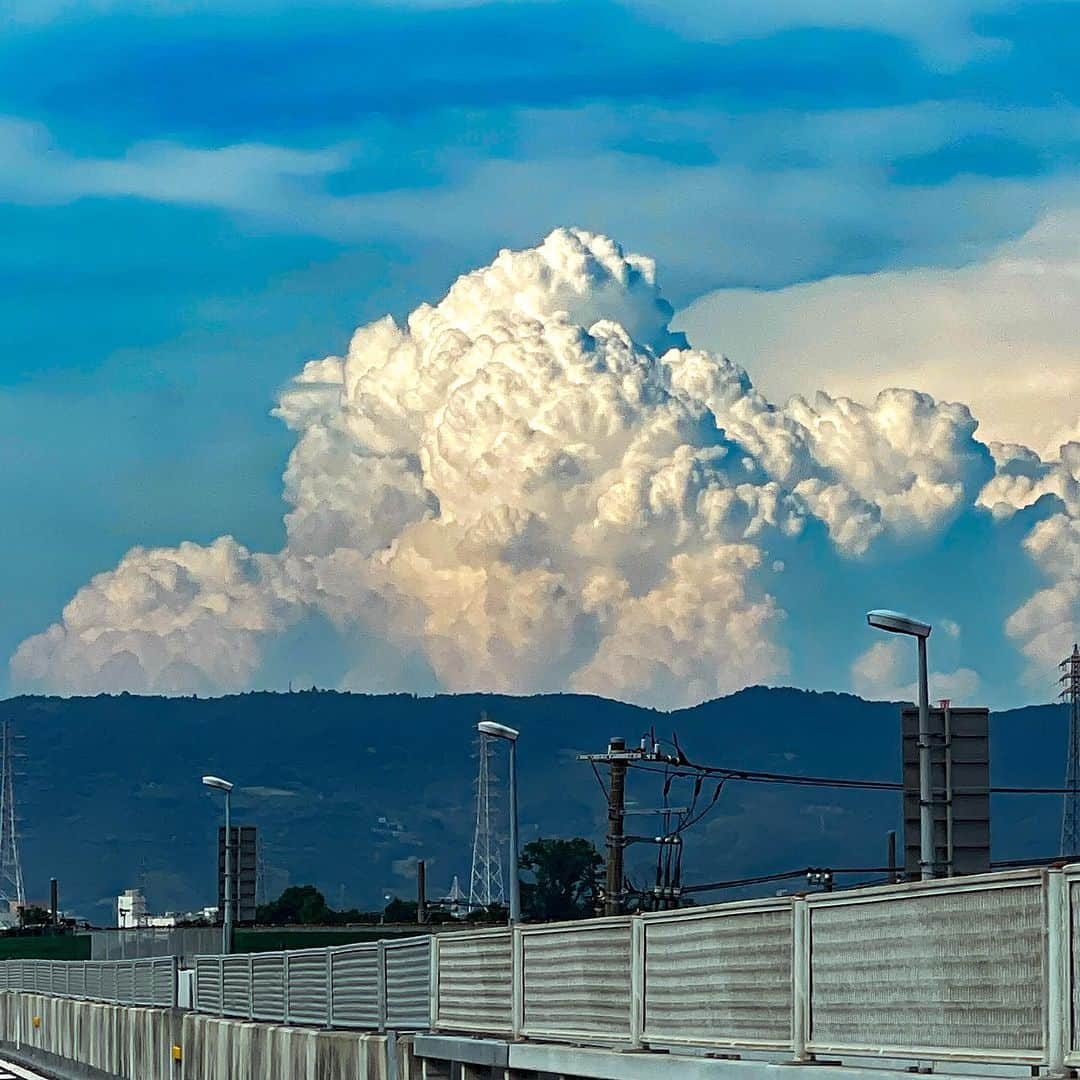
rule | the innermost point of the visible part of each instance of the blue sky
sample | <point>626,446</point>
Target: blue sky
<point>196,203</point>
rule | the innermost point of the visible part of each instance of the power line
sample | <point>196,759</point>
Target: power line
<point>1008,864</point>
<point>783,875</point>
<point>690,770</point>
<point>1029,791</point>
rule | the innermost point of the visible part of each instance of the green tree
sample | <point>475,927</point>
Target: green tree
<point>565,879</point>
<point>34,916</point>
<point>300,905</point>
<point>400,911</point>
<point>493,913</point>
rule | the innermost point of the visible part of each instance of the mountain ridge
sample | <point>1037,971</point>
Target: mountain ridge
<point>350,789</point>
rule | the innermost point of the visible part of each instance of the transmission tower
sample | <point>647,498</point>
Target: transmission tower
<point>1070,694</point>
<point>486,881</point>
<point>12,894</point>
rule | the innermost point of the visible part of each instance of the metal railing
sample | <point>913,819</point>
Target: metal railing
<point>982,968</point>
<point>150,982</point>
<point>382,986</point>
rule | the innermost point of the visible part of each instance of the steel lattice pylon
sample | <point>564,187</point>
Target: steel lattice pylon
<point>1070,694</point>
<point>486,880</point>
<point>12,894</point>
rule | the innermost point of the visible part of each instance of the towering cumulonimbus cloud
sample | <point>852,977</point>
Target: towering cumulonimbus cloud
<point>533,485</point>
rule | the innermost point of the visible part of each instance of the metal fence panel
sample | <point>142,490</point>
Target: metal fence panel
<point>268,986</point>
<point>123,982</point>
<point>355,990</point>
<point>208,985</point>
<point>186,942</point>
<point>720,976</point>
<point>110,981</point>
<point>307,987</point>
<point>142,992</point>
<point>77,981</point>
<point>408,984</point>
<point>1072,875</point>
<point>577,980</point>
<point>236,986</point>
<point>93,981</point>
<point>476,981</point>
<point>931,970</point>
<point>165,978</point>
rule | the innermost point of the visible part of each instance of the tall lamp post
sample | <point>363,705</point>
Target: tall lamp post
<point>501,731</point>
<point>895,623</point>
<point>227,921</point>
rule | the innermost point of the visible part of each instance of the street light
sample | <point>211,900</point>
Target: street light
<point>227,920</point>
<point>501,731</point>
<point>895,623</point>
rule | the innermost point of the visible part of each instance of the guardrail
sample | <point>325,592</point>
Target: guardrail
<point>382,986</point>
<point>150,982</point>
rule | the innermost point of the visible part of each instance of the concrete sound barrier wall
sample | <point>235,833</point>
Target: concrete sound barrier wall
<point>96,1040</point>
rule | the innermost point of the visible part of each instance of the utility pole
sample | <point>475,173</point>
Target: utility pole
<point>615,838</point>
<point>617,758</point>
<point>1070,694</point>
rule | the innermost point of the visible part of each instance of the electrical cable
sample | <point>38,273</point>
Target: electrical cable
<point>690,770</point>
<point>784,875</point>
<point>599,779</point>
<point>750,776</point>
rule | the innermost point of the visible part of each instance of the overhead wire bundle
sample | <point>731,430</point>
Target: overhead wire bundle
<point>674,765</point>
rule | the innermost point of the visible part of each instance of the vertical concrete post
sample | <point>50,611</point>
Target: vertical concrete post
<point>285,987</point>
<point>800,980</point>
<point>329,988</point>
<point>381,985</point>
<point>1059,972</point>
<point>637,981</point>
<point>433,988</point>
<point>251,987</point>
<point>517,985</point>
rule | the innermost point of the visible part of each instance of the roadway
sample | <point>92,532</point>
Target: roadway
<point>10,1071</point>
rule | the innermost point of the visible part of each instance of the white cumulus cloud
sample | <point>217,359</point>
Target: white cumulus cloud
<point>172,620</point>
<point>535,484</point>
<point>883,671</point>
<point>1002,335</point>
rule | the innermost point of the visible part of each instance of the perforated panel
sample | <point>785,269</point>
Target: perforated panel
<point>719,977</point>
<point>268,987</point>
<point>355,982</point>
<point>943,970</point>
<point>408,985</point>
<point>577,981</point>
<point>476,981</point>
<point>236,988</point>
<point>307,987</point>
<point>208,984</point>
<point>121,982</point>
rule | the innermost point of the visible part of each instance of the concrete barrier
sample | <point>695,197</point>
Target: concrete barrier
<point>131,1043</point>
